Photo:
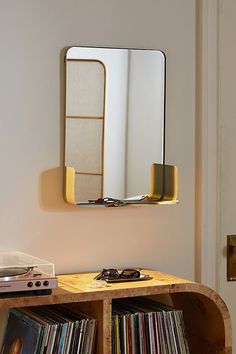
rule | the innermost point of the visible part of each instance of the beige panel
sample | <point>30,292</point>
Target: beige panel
<point>84,144</point>
<point>87,187</point>
<point>84,88</point>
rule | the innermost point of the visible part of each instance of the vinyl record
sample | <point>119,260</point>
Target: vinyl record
<point>14,272</point>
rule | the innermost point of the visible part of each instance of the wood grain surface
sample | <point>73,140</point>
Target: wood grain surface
<point>207,318</point>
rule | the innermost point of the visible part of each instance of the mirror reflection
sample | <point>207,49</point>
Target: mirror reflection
<point>114,124</point>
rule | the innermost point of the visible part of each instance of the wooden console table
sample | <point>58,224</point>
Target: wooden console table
<point>207,319</point>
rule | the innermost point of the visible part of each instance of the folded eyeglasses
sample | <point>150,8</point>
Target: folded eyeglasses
<point>113,274</point>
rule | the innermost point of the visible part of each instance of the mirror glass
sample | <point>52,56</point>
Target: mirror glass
<point>114,122</point>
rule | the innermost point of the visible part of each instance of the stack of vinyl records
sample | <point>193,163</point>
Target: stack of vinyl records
<point>144,326</point>
<point>49,330</point>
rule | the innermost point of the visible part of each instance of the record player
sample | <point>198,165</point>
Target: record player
<point>21,273</point>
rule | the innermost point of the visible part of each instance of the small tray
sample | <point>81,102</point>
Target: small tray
<point>122,280</point>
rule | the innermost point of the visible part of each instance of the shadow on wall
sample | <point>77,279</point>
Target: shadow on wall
<point>50,191</point>
<point>51,181</point>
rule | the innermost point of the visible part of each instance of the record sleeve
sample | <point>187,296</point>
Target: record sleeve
<point>20,337</point>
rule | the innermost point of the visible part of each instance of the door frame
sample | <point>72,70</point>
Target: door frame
<point>207,144</point>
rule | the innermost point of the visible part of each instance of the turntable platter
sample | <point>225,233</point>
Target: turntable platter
<point>14,272</point>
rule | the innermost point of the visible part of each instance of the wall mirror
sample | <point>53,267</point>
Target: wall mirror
<point>114,126</point>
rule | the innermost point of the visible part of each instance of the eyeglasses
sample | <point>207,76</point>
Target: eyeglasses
<point>113,274</point>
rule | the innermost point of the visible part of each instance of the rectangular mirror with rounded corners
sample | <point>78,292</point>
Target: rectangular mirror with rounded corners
<point>114,126</point>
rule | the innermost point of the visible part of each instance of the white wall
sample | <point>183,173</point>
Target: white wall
<point>33,216</point>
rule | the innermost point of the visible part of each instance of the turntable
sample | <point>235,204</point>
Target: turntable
<point>21,273</point>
